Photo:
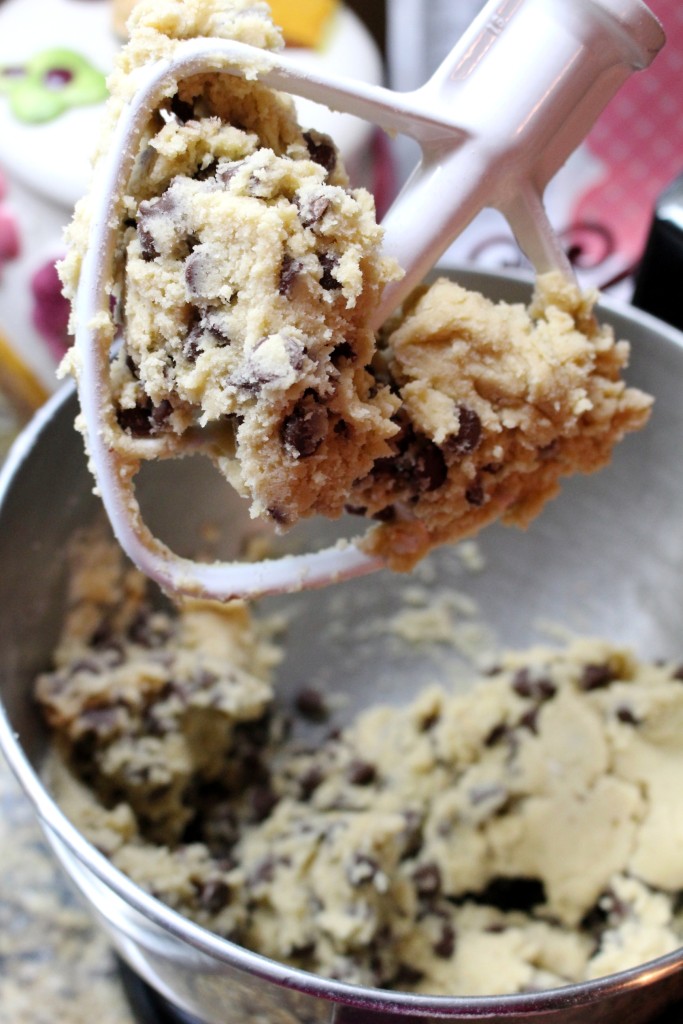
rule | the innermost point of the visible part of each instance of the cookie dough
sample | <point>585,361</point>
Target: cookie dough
<point>498,403</point>
<point>533,822</point>
<point>246,274</point>
<point>247,271</point>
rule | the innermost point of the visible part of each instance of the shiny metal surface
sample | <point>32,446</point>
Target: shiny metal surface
<point>605,558</point>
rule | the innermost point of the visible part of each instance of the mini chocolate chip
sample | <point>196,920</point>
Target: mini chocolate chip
<point>678,673</point>
<point>193,272</point>
<point>445,946</point>
<point>160,413</point>
<point>321,150</point>
<point>147,211</point>
<point>278,515</point>
<point>311,211</point>
<point>529,719</point>
<point>213,895</point>
<point>136,421</point>
<point>429,464</point>
<point>427,879</point>
<point>192,346</point>
<point>310,703</point>
<point>362,869</point>
<point>469,432</point>
<point>514,893</point>
<point>226,172</point>
<point>405,976</point>
<point>428,721</point>
<point>265,870</point>
<point>525,685</point>
<point>182,110</point>
<point>594,677</point>
<point>290,269</point>
<point>341,352</point>
<point>328,262</point>
<point>474,495</point>
<point>387,514</point>
<point>310,780</point>
<point>627,715</point>
<point>263,801</point>
<point>304,429</point>
<point>147,631</point>
<point>361,773</point>
<point>496,734</point>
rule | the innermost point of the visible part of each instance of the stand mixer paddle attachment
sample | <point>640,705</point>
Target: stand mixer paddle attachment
<point>516,95</point>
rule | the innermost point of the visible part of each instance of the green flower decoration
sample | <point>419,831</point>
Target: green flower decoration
<point>49,84</point>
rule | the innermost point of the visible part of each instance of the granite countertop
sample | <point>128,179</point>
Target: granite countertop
<point>55,965</point>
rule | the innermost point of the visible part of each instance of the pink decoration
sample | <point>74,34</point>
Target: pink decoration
<point>639,142</point>
<point>9,229</point>
<point>50,309</point>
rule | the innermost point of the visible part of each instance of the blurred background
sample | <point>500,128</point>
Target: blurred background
<point>616,204</point>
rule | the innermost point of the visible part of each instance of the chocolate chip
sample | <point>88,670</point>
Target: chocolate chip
<point>263,801</point>
<point>311,704</point>
<point>529,719</point>
<point>149,631</point>
<point>496,734</point>
<point>192,346</point>
<point>290,269</point>
<point>474,495</point>
<point>265,870</point>
<point>627,715</point>
<point>427,879</point>
<point>278,515</point>
<point>469,432</point>
<point>305,428</point>
<point>136,421</point>
<point>514,893</point>
<point>312,210</point>
<point>341,353</point>
<point>182,111</point>
<point>226,172</point>
<point>429,464</point>
<point>148,210</point>
<point>525,685</point>
<point>361,773</point>
<point>445,946</point>
<point>362,869</point>
<point>405,976</point>
<point>213,895</point>
<point>594,677</point>
<point>328,262</point>
<point>310,780</point>
<point>195,275</point>
<point>321,150</point>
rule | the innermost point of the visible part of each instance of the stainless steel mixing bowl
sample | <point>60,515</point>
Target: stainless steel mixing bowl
<point>605,558</point>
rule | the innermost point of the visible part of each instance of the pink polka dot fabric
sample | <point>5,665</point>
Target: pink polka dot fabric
<point>639,142</point>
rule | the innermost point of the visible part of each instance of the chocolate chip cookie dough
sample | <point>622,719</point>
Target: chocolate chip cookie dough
<point>247,272</point>
<point>498,403</point>
<point>533,822</point>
